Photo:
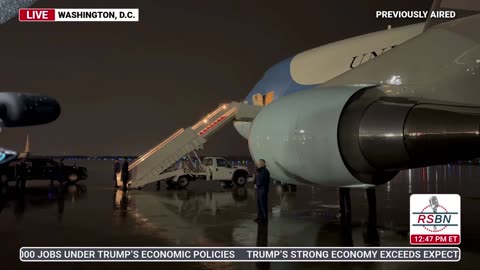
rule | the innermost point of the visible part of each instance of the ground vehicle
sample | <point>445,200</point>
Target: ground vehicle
<point>40,168</point>
<point>218,168</point>
<point>211,168</point>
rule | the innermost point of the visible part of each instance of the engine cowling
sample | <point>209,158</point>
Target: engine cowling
<point>297,137</point>
<point>357,136</point>
<point>23,109</point>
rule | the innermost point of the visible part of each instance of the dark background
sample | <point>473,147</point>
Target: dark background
<point>124,87</point>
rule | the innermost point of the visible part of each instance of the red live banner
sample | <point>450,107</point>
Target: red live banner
<point>438,239</point>
<point>36,14</point>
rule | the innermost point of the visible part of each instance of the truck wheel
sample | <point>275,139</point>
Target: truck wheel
<point>182,182</point>
<point>72,178</point>
<point>240,180</point>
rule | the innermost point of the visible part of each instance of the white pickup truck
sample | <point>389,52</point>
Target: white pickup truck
<point>210,169</point>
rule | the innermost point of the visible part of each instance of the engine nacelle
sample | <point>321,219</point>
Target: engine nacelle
<point>297,137</point>
<point>357,136</point>
<point>22,109</point>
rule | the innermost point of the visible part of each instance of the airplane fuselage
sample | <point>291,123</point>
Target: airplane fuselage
<point>318,127</point>
<point>318,65</point>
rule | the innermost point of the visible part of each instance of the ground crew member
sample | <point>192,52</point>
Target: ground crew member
<point>116,170</point>
<point>262,184</point>
<point>125,173</point>
<point>60,170</point>
<point>21,174</point>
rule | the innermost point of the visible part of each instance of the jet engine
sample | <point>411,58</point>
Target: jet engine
<point>21,109</point>
<point>357,136</point>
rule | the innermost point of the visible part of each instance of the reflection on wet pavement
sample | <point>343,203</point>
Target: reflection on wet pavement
<point>208,215</point>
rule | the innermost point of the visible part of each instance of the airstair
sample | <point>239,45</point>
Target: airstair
<point>152,165</point>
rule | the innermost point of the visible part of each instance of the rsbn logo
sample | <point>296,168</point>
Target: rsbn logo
<point>435,219</point>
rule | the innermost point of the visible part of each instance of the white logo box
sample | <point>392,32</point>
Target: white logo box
<point>435,219</point>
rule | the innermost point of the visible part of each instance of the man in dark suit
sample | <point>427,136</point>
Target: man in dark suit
<point>21,174</point>
<point>116,169</point>
<point>262,184</point>
<point>125,173</point>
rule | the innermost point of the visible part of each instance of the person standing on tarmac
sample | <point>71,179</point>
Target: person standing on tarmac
<point>60,170</point>
<point>21,174</point>
<point>262,184</point>
<point>125,173</point>
<point>116,170</point>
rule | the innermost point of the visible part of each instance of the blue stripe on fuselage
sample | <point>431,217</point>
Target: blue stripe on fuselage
<point>278,79</point>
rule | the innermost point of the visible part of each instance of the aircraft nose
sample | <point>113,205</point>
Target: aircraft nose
<point>23,109</point>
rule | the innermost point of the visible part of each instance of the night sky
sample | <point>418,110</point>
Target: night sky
<point>124,87</point>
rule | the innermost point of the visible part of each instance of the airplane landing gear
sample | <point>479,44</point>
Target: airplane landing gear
<point>371,235</point>
<point>345,206</point>
<point>372,205</point>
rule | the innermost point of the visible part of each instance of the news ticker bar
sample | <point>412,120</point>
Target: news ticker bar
<point>78,15</point>
<point>240,254</point>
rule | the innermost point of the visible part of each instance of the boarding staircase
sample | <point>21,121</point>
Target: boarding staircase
<point>151,166</point>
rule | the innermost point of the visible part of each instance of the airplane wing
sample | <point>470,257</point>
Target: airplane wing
<point>9,8</point>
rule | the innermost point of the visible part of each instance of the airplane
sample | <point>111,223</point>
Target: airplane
<point>329,121</point>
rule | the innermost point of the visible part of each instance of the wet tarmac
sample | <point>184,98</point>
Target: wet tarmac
<point>94,214</point>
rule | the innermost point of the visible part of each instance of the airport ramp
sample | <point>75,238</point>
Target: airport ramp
<point>148,167</point>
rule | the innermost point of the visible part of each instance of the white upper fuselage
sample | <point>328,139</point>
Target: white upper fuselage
<point>318,65</point>
<point>298,134</point>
